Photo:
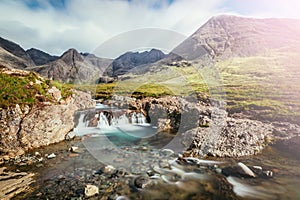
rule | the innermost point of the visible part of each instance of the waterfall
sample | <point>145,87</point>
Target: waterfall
<point>138,118</point>
<point>103,121</point>
<point>141,119</point>
<point>111,121</point>
<point>123,119</point>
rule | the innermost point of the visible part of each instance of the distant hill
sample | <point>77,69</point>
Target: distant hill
<point>73,67</point>
<point>39,57</point>
<point>14,55</point>
<point>130,60</point>
<point>70,67</point>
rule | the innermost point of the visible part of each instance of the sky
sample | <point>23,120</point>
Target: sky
<point>54,26</point>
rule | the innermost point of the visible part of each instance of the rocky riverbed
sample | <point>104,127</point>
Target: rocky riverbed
<point>74,173</point>
<point>167,165</point>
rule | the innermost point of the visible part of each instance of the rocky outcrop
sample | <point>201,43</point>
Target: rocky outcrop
<point>238,137</point>
<point>46,123</point>
<point>206,130</point>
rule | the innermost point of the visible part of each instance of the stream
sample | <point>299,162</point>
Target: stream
<point>125,157</point>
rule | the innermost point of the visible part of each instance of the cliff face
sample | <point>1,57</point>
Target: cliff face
<point>27,126</point>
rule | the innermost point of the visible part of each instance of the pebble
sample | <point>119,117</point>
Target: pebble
<point>74,149</point>
<point>37,153</point>
<point>52,155</point>
<point>141,182</point>
<point>109,169</point>
<point>73,155</point>
<point>91,190</point>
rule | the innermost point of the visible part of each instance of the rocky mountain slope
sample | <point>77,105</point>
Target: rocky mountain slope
<point>232,36</point>
<point>16,50</point>
<point>72,67</point>
<point>39,57</point>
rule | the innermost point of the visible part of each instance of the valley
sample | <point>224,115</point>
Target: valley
<point>218,117</point>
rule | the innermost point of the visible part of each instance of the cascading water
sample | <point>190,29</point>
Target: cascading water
<point>109,121</point>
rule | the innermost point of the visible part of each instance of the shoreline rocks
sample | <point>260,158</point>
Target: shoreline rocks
<point>206,129</point>
<point>26,128</point>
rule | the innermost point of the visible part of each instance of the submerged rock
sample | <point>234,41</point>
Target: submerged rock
<point>240,170</point>
<point>141,182</point>
<point>244,170</point>
<point>12,184</point>
<point>91,190</point>
<point>108,169</point>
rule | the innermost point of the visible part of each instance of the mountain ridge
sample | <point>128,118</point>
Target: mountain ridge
<point>221,37</point>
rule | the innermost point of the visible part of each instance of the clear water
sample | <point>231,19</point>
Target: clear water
<point>132,142</point>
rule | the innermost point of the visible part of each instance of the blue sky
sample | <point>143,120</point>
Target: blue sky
<point>57,25</point>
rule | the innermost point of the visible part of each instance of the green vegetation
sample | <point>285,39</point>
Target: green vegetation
<point>106,91</point>
<point>27,89</point>
<point>267,86</point>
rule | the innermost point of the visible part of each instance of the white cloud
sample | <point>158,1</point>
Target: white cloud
<point>85,25</point>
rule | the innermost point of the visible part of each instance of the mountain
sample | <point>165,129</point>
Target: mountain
<point>232,36</point>
<point>12,55</point>
<point>73,67</point>
<point>130,60</point>
<point>39,57</point>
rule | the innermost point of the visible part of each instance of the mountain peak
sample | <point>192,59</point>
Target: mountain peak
<point>130,60</point>
<point>39,57</point>
<point>235,36</point>
<point>16,50</point>
<point>71,55</point>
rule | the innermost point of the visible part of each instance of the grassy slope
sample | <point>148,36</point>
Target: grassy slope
<point>269,84</point>
<point>27,89</point>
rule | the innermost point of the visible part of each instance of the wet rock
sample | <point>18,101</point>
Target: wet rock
<point>91,190</point>
<point>12,184</point>
<point>122,198</point>
<point>244,170</point>
<point>164,164</point>
<point>121,172</point>
<point>71,135</point>
<point>52,155</point>
<point>268,174</point>
<point>37,154</point>
<point>141,182</point>
<point>109,169</point>
<point>257,169</point>
<point>167,152</point>
<point>240,170</point>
